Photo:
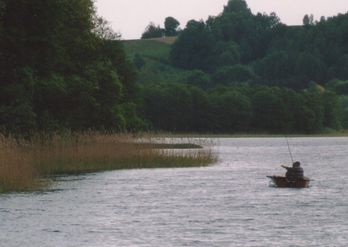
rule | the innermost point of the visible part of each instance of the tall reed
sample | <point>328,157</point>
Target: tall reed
<point>23,162</point>
<point>16,169</point>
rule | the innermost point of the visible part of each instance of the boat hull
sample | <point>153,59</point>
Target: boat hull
<point>282,182</point>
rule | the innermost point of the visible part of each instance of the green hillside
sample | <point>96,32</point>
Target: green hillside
<point>152,60</point>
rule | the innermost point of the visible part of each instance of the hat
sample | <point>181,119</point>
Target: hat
<point>296,164</point>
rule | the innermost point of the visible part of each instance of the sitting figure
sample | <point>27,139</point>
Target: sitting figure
<point>295,172</point>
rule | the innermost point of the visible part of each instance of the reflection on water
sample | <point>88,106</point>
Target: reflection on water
<point>228,204</point>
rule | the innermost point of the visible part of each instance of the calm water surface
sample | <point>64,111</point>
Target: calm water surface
<point>228,204</point>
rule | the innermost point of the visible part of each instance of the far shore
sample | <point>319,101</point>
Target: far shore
<point>343,133</point>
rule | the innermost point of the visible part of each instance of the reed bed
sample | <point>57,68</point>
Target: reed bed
<point>16,170</point>
<point>23,163</point>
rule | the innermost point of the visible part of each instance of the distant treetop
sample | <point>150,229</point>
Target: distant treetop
<point>235,6</point>
<point>152,31</point>
<point>171,28</point>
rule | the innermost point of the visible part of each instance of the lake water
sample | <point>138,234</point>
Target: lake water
<point>228,204</point>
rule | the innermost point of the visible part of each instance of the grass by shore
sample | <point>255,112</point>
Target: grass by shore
<point>23,163</point>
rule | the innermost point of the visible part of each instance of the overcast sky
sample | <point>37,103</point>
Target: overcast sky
<point>130,17</point>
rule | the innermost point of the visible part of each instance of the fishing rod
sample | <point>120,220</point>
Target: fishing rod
<point>292,159</point>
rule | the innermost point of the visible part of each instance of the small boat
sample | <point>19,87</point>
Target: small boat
<point>283,182</point>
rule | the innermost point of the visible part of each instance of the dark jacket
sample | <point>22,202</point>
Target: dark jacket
<point>294,173</point>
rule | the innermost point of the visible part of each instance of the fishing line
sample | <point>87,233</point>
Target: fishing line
<point>287,141</point>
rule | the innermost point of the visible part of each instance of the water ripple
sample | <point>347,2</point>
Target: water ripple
<point>229,204</point>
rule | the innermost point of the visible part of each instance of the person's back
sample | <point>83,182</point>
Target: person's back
<point>298,170</point>
<point>295,172</point>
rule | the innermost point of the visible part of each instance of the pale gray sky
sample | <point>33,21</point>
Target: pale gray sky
<point>130,17</point>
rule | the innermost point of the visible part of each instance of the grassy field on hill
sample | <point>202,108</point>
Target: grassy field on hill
<point>155,56</point>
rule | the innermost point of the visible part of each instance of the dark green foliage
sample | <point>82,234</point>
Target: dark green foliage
<point>339,87</point>
<point>16,110</point>
<point>171,26</point>
<point>194,48</point>
<point>18,118</point>
<point>237,6</point>
<point>231,111</point>
<point>332,111</point>
<point>274,67</point>
<point>59,70</point>
<point>344,103</point>
<point>233,74</point>
<point>287,56</point>
<point>308,20</point>
<point>269,110</point>
<point>235,36</point>
<point>285,69</point>
<point>114,52</point>
<point>168,107</point>
<point>313,111</point>
<point>62,67</point>
<point>228,53</point>
<point>152,31</point>
<point>202,115</point>
<point>236,109</point>
<point>232,55</point>
<point>340,69</point>
<point>132,121</point>
<point>47,35</point>
<point>199,79</point>
<point>345,119</point>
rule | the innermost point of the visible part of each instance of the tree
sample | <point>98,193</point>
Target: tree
<point>332,111</point>
<point>152,31</point>
<point>47,35</point>
<point>308,20</point>
<point>61,68</point>
<point>202,113</point>
<point>344,105</point>
<point>194,48</point>
<point>339,87</point>
<point>309,67</point>
<point>171,26</point>
<point>231,111</point>
<point>274,66</point>
<point>17,115</point>
<point>228,53</point>
<point>2,12</point>
<point>269,110</point>
<point>199,79</point>
<point>103,30</point>
<point>312,111</point>
<point>167,107</point>
<point>237,6</point>
<point>233,74</point>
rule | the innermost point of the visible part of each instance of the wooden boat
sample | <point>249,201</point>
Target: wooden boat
<point>282,182</point>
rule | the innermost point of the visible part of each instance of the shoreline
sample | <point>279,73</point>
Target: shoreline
<point>248,135</point>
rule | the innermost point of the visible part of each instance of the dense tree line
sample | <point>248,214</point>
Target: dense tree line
<point>59,69</point>
<point>171,28</point>
<point>233,109</point>
<point>62,67</point>
<point>238,46</point>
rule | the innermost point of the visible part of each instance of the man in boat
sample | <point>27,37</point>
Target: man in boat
<point>295,172</point>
